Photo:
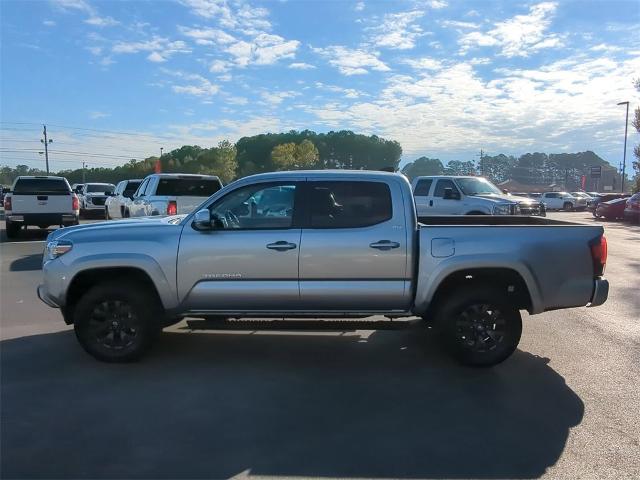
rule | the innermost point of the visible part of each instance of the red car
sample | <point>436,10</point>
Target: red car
<point>611,210</point>
<point>632,209</point>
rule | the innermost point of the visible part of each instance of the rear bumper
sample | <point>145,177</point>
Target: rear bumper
<point>43,218</point>
<point>600,292</point>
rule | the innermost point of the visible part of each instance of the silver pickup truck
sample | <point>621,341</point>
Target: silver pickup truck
<point>320,244</point>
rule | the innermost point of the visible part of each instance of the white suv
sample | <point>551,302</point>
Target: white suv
<point>440,195</point>
<point>41,201</point>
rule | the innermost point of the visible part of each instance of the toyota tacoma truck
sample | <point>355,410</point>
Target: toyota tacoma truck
<point>320,244</point>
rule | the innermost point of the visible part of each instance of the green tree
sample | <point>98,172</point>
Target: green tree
<point>636,149</point>
<point>283,156</point>
<point>306,155</point>
<point>423,166</point>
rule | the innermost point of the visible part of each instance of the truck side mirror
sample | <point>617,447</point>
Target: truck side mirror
<point>449,194</point>
<point>202,220</point>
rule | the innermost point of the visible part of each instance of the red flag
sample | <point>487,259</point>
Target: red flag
<point>158,167</point>
<point>584,181</point>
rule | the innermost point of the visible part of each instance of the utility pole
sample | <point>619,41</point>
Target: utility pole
<point>481,162</point>
<point>46,145</point>
<point>84,170</point>
<point>624,155</point>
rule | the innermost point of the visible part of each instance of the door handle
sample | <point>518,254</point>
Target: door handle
<point>431,203</point>
<point>281,246</point>
<point>384,245</point>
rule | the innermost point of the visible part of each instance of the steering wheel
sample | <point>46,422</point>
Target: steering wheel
<point>232,219</point>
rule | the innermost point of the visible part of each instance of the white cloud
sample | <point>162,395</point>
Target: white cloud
<point>79,5</point>
<point>237,100</point>
<point>359,6</point>
<point>191,83</point>
<point>425,63</point>
<point>346,92</point>
<point>237,15</point>
<point>301,66</point>
<point>96,115</point>
<point>218,66</point>
<point>437,4</point>
<point>49,23</point>
<point>458,24</point>
<point>264,49</point>
<point>565,103</point>
<point>207,36</point>
<point>276,98</point>
<point>352,61</point>
<point>156,57</point>
<point>160,48</point>
<point>398,31</point>
<point>98,21</point>
<point>518,36</point>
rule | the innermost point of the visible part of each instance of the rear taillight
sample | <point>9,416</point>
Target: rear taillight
<point>599,255</point>
<point>7,203</point>
<point>172,208</point>
<point>75,203</point>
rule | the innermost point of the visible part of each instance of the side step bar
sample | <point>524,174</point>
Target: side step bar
<point>309,325</point>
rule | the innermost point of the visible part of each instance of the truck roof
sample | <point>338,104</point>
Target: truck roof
<point>49,177</point>
<point>369,174</point>
<point>181,175</point>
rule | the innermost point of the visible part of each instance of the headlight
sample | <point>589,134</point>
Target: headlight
<point>55,248</point>
<point>504,209</point>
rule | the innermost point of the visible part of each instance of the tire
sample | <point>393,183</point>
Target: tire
<point>12,229</point>
<point>116,322</point>
<point>567,207</point>
<point>126,214</point>
<point>479,326</point>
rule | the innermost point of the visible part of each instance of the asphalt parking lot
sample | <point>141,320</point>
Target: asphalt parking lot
<point>354,403</point>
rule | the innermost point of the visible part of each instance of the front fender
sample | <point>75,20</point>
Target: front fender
<point>143,262</point>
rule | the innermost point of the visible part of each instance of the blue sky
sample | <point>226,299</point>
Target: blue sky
<point>118,79</point>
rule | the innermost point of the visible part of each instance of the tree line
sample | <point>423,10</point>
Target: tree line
<point>255,154</point>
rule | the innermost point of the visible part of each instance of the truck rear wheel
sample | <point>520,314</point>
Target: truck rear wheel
<point>116,322</point>
<point>12,229</point>
<point>479,325</point>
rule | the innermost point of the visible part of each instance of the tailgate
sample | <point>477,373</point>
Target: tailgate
<point>188,204</point>
<point>41,203</point>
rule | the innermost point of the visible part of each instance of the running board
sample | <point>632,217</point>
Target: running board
<point>309,325</point>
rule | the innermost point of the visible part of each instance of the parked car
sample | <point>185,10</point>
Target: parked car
<point>117,204</point>
<point>77,188</point>
<point>94,196</point>
<point>451,195</point>
<point>172,194</point>
<point>345,244</point>
<point>632,208</point>
<point>592,205</point>
<point>3,191</point>
<point>41,201</point>
<point>584,195</point>
<point>562,201</point>
<point>611,210</point>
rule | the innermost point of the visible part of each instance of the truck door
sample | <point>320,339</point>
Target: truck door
<point>250,263</point>
<point>442,206</point>
<point>421,196</point>
<point>353,253</point>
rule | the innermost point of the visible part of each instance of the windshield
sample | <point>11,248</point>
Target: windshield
<point>477,186</point>
<point>99,188</point>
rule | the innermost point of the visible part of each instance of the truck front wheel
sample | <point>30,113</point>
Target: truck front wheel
<point>116,321</point>
<point>13,229</point>
<point>479,325</point>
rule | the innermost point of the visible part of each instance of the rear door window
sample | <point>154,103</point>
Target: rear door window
<point>42,186</point>
<point>130,188</point>
<point>348,204</point>
<point>188,187</point>
<point>423,187</point>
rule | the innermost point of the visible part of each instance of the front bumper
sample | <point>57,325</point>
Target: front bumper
<point>600,292</point>
<point>46,298</point>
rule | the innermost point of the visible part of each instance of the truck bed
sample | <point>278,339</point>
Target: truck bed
<point>493,220</point>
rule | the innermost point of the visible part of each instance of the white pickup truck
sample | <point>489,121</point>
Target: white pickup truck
<point>40,201</point>
<point>172,194</point>
<point>452,195</point>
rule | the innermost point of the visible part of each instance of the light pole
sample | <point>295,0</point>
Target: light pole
<point>624,154</point>
<point>46,145</point>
